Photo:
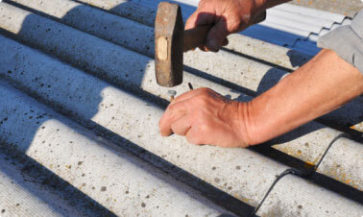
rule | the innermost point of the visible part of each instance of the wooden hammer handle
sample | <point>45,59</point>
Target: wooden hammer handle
<point>196,37</point>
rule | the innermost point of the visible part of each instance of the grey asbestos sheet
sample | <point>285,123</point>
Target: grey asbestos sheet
<point>344,162</point>
<point>295,197</point>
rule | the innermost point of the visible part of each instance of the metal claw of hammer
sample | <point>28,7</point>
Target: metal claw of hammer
<point>171,41</point>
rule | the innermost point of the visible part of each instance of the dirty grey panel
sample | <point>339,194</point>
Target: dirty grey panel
<point>114,178</point>
<point>30,189</point>
<point>343,7</point>
<point>119,30</point>
<point>125,8</point>
<point>295,197</point>
<point>265,51</point>
<point>93,101</point>
<point>344,162</point>
<point>52,76</point>
<point>96,101</point>
<point>47,78</point>
<point>16,199</point>
<point>307,143</point>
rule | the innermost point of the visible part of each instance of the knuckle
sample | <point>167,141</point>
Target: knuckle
<point>177,130</point>
<point>203,125</point>
<point>204,90</point>
<point>203,95</point>
<point>234,24</point>
<point>205,128</point>
<point>172,108</point>
<point>196,140</point>
<point>201,102</point>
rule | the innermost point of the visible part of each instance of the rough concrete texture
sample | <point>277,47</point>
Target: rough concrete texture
<point>97,69</point>
<point>29,189</point>
<point>125,8</point>
<point>95,167</point>
<point>344,163</point>
<point>15,199</point>
<point>309,144</point>
<point>344,7</point>
<point>128,116</point>
<point>295,197</point>
<point>309,147</point>
<point>276,55</point>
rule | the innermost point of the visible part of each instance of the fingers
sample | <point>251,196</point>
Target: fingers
<point>181,126</point>
<point>193,137</point>
<point>173,113</point>
<point>202,16</point>
<point>217,36</point>
<point>225,42</point>
<point>175,118</point>
<point>178,108</point>
<point>192,21</point>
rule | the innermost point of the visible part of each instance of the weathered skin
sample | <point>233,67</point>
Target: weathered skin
<point>311,91</point>
<point>228,16</point>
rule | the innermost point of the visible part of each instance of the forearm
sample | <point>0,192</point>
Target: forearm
<point>271,3</point>
<point>319,87</point>
<point>265,4</point>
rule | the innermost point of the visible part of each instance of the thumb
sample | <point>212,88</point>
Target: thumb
<point>217,36</point>
<point>192,21</point>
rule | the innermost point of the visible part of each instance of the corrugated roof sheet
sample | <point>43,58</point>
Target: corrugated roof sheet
<point>80,109</point>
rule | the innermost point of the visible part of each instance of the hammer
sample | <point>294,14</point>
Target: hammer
<point>171,41</point>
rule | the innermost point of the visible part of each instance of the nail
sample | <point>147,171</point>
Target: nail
<point>172,94</point>
<point>190,86</point>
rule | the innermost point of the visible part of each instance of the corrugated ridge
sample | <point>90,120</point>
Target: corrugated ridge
<point>94,166</point>
<point>110,67</point>
<point>64,99</point>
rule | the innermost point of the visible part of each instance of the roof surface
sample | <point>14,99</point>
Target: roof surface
<point>347,8</point>
<point>80,108</point>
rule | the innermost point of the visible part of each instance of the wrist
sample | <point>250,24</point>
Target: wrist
<point>252,128</point>
<point>244,124</point>
<point>232,114</point>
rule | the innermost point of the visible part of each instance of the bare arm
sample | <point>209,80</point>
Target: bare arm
<point>320,86</point>
<point>270,3</point>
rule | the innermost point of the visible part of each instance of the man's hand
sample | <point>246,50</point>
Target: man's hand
<point>320,86</point>
<point>228,16</point>
<point>205,117</point>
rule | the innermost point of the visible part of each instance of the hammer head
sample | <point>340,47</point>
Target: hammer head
<point>169,29</point>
